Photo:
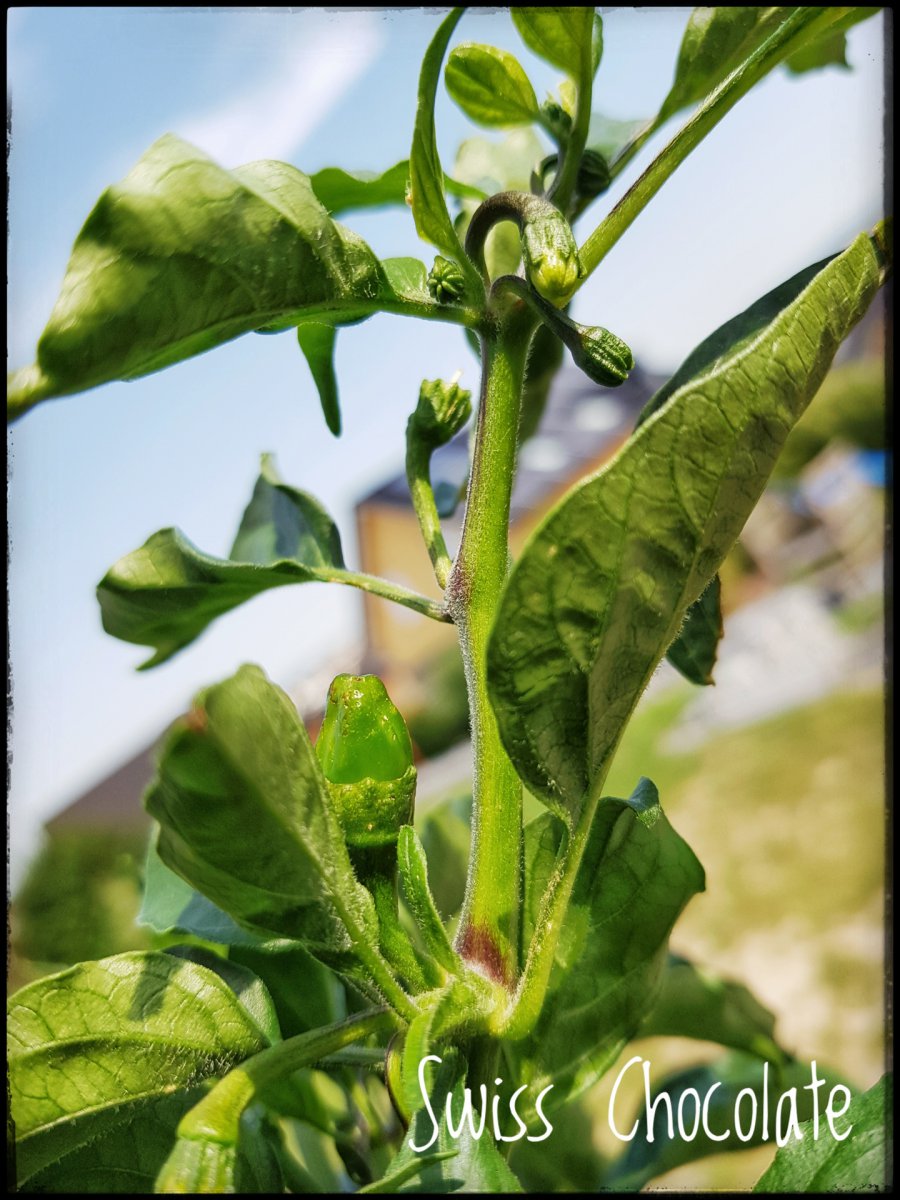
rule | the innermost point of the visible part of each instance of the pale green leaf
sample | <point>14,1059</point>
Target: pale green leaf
<point>859,1163</point>
<point>490,86</point>
<point>604,584</point>
<point>91,1046</point>
<point>340,191</point>
<point>559,35</point>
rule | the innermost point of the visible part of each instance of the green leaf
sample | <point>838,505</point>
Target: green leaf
<point>126,1158</point>
<point>183,256</point>
<point>252,994</point>
<point>340,191</point>
<point>97,1044</point>
<point>559,34</point>
<point>170,905</point>
<point>604,584</point>
<point>245,819</point>
<point>446,833</point>
<point>734,1074</point>
<point>858,1163</point>
<point>490,86</point>
<point>317,340</point>
<point>246,1164</point>
<point>477,1165</point>
<point>634,879</point>
<point>693,652</point>
<point>695,1003</point>
<point>412,871</point>
<point>166,593</point>
<point>305,993</point>
<point>717,40</point>
<point>608,135</point>
<point>281,522</point>
<point>426,178</point>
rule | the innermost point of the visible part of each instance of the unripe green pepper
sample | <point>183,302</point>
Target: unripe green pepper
<point>446,281</point>
<point>441,412</point>
<point>366,756</point>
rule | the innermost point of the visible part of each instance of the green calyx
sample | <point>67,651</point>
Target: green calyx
<point>446,281</point>
<point>441,412</point>
<point>366,756</point>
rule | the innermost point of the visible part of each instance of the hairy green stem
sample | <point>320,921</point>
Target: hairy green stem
<point>487,935</point>
<point>573,148</point>
<point>418,475</point>
<point>389,591</point>
<point>802,24</point>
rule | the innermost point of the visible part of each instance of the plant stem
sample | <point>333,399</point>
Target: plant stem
<point>802,24</point>
<point>389,591</point>
<point>487,935</point>
<point>418,475</point>
<point>572,149</point>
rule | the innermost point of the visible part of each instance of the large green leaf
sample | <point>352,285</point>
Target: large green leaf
<point>858,1163</point>
<point>340,190</point>
<point>166,593</point>
<point>718,1086</point>
<point>305,993</point>
<point>695,1003</point>
<point>717,40</point>
<point>182,256</point>
<point>604,584</point>
<point>490,86</point>
<point>634,879</point>
<point>245,818</point>
<point>426,177</point>
<point>103,1042</point>
<point>558,35</point>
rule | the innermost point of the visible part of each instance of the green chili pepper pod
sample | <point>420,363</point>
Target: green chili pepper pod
<point>550,252</point>
<point>446,281</point>
<point>366,756</point>
<point>602,356</point>
<point>441,412</point>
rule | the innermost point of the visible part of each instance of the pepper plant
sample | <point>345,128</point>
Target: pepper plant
<point>320,1009</point>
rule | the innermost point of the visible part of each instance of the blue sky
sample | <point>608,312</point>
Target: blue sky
<point>793,173</point>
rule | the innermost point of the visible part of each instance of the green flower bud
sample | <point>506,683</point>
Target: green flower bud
<point>446,281</point>
<point>550,252</point>
<point>442,411</point>
<point>557,118</point>
<point>366,756</point>
<point>593,175</point>
<point>602,356</point>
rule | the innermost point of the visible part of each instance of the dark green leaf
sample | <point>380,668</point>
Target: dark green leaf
<point>477,1165</point>
<point>426,178</point>
<point>445,833</point>
<point>695,1003</point>
<point>604,584</point>
<point>245,819</point>
<point>123,1160</point>
<point>830,48</point>
<point>633,881</point>
<point>734,1074</point>
<point>306,994</point>
<point>858,1163</point>
<point>183,256</point>
<point>166,593</point>
<point>559,35</point>
<point>92,1045</point>
<point>281,522</point>
<point>693,652</point>
<point>340,191</point>
<point>317,340</point>
<point>490,86</point>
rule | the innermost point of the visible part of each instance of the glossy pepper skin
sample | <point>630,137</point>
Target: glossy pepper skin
<point>366,755</point>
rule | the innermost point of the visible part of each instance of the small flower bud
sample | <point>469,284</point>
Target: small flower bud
<point>442,411</point>
<point>593,175</point>
<point>550,253</point>
<point>446,281</point>
<point>602,356</point>
<point>366,756</point>
<point>557,118</point>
